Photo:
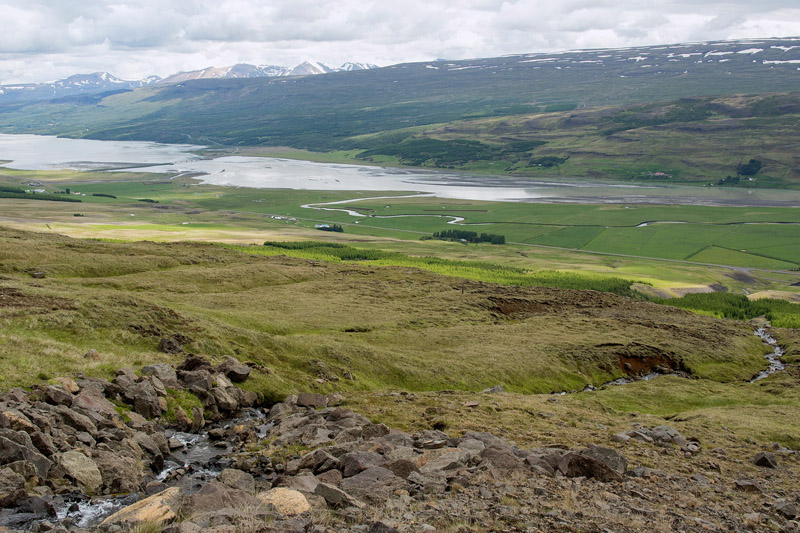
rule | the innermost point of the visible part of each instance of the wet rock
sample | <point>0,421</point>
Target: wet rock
<point>234,370</point>
<point>286,502</point>
<point>169,345</point>
<point>311,399</point>
<point>765,459</point>
<point>337,497</point>
<point>356,462</point>
<point>163,372</point>
<point>157,509</point>
<point>237,479</point>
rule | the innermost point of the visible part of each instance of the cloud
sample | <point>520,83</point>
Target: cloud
<point>48,39</point>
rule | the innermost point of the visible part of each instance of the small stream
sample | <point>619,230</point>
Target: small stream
<point>774,358</point>
<point>353,213</point>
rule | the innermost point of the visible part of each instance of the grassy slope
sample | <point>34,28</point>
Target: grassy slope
<point>413,330</point>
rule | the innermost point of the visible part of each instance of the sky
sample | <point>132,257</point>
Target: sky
<point>44,40</point>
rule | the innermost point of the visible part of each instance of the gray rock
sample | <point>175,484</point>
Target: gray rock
<point>76,420</point>
<point>765,459</point>
<point>432,482</point>
<point>603,464</point>
<point>10,482</point>
<point>225,402</point>
<point>82,469</point>
<point>164,372</point>
<point>501,458</point>
<point>234,370</point>
<point>57,396</point>
<point>92,399</point>
<point>145,400</point>
<point>493,390</point>
<point>120,474</point>
<point>312,400</point>
<point>21,448</point>
<point>169,345</point>
<point>337,497</point>
<point>355,462</point>
<point>196,380</point>
<point>788,510</point>
<point>318,461</point>
<point>215,496</point>
<point>402,468</point>
<point>237,479</point>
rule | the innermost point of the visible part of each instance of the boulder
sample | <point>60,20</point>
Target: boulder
<point>169,345</point>
<point>10,482</point>
<point>318,461</point>
<point>164,372</point>
<point>68,384</point>
<point>337,497</point>
<point>237,479</point>
<point>765,459</point>
<point>120,474</point>
<point>225,402</point>
<point>93,400</point>
<point>82,469</point>
<point>286,502</point>
<point>57,396</point>
<point>215,496</point>
<point>234,370</point>
<point>157,509</point>
<point>312,400</point>
<point>182,420</point>
<point>196,380</point>
<point>501,458</point>
<point>402,468</point>
<point>19,447</point>
<point>75,420</point>
<point>356,462</point>
<point>603,464</point>
<point>366,483</point>
<point>145,400</point>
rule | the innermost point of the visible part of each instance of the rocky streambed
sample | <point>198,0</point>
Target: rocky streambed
<point>72,460</point>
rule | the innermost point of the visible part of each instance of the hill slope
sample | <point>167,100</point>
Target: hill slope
<point>324,112</point>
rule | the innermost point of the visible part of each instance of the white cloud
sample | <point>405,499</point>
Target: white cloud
<point>49,39</point>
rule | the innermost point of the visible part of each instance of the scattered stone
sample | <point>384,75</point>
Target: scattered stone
<point>337,497</point>
<point>92,355</point>
<point>163,372</point>
<point>493,390</point>
<point>169,345</point>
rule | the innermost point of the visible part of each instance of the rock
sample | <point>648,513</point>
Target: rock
<point>92,355</point>
<point>76,420</point>
<point>21,448</point>
<point>311,399</point>
<point>82,469</point>
<point>196,380</point>
<point>182,420</point>
<point>215,496</point>
<point>337,497</point>
<point>365,483</point>
<point>303,482</point>
<point>402,468</point>
<point>382,527</point>
<point>501,458</point>
<point>157,509</point>
<point>603,464</point>
<point>198,419</point>
<point>145,400</point>
<point>10,482</point>
<point>318,461</point>
<point>169,345</point>
<point>93,400</point>
<point>68,384</point>
<point>120,474</point>
<point>234,370</point>
<point>57,396</point>
<point>788,510</point>
<point>493,390</point>
<point>163,372</point>
<point>38,274</point>
<point>237,479</point>
<point>748,485</point>
<point>356,462</point>
<point>287,502</point>
<point>331,477</point>
<point>433,482</point>
<point>225,402</point>
<point>194,362</point>
<point>765,459</point>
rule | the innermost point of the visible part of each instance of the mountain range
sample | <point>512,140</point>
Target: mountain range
<point>103,82</point>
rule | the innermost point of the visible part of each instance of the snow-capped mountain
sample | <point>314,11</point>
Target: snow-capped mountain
<point>102,82</point>
<point>93,83</point>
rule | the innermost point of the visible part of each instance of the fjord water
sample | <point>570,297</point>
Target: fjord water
<point>34,152</point>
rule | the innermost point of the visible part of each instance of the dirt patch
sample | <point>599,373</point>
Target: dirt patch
<point>741,276</point>
<point>10,297</point>
<point>516,306</point>
<point>638,359</point>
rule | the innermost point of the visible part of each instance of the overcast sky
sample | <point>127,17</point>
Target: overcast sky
<point>43,40</point>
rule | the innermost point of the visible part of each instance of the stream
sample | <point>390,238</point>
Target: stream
<point>774,358</point>
<point>352,213</point>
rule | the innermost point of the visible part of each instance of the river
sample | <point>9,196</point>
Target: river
<point>34,152</point>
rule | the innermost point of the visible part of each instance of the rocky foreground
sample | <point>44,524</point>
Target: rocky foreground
<point>88,454</point>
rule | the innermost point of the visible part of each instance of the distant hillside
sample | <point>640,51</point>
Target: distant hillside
<point>331,112</point>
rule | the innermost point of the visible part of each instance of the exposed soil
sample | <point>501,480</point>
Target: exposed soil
<point>10,297</point>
